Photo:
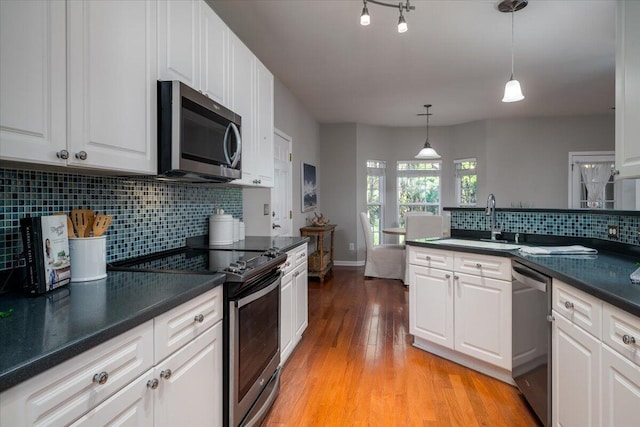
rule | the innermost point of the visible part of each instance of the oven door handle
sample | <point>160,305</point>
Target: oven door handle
<point>262,292</point>
<point>528,281</point>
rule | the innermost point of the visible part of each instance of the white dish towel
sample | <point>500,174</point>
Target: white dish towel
<point>558,250</point>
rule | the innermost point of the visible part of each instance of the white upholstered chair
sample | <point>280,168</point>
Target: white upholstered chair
<point>423,225</point>
<point>384,261</point>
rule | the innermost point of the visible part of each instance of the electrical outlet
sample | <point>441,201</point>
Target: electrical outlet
<point>352,247</point>
<point>612,231</point>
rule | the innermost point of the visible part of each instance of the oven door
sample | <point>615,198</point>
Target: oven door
<point>254,348</point>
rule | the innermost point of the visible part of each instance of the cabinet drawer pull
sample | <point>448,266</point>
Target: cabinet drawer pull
<point>166,374</point>
<point>478,265</point>
<point>568,304</point>
<point>101,378</point>
<point>199,318</point>
<point>153,384</point>
<point>62,154</point>
<point>82,155</point>
<point>628,339</point>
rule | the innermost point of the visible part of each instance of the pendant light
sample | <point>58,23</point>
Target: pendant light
<point>512,90</point>
<point>365,18</point>
<point>427,152</point>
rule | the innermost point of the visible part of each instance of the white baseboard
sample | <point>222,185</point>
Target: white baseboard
<point>348,263</point>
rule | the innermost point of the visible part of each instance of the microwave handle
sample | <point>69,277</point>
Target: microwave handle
<point>236,156</point>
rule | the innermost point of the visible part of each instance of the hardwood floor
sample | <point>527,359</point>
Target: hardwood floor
<point>355,366</point>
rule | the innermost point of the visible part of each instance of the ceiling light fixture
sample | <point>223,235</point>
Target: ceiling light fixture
<point>427,152</point>
<point>365,19</point>
<point>512,90</point>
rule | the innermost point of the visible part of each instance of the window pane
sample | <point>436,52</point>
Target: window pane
<point>419,189</point>
<point>468,189</point>
<point>373,189</point>
<point>375,222</point>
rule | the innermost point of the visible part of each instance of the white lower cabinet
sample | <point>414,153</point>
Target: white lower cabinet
<point>620,390</point>
<point>483,319</point>
<point>595,362</point>
<point>575,368</point>
<point>463,314</point>
<point>294,301</point>
<point>190,383</point>
<point>131,406</point>
<point>117,382</point>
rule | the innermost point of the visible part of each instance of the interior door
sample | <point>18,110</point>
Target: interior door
<point>281,193</point>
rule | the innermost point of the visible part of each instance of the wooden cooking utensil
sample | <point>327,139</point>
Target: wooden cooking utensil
<point>100,224</point>
<point>79,219</point>
<point>90,215</point>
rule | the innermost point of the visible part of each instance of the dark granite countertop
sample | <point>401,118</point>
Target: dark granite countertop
<point>605,275</point>
<point>47,330</point>
<point>250,243</point>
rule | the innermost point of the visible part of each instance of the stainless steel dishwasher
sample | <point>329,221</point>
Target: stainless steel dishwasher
<point>531,338</point>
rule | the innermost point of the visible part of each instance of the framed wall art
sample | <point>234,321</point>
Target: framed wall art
<point>309,187</point>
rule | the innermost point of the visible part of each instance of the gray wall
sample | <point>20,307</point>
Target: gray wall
<point>519,160</point>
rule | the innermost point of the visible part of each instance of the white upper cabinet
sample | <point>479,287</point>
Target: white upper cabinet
<point>32,81</point>
<point>263,143</point>
<point>112,85</point>
<point>214,57</point>
<point>179,41</point>
<point>628,89</point>
<point>89,67</point>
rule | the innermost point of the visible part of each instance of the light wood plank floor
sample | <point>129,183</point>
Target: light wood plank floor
<point>355,366</point>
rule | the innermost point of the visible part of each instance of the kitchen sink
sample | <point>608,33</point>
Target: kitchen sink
<point>479,244</point>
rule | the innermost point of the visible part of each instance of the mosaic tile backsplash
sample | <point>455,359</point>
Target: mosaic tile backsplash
<point>571,224</point>
<point>148,216</point>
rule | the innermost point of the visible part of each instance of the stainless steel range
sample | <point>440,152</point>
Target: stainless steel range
<point>251,321</point>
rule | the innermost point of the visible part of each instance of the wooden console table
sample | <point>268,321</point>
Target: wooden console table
<point>320,261</point>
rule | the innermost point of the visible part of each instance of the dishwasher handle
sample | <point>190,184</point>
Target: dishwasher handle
<point>529,278</point>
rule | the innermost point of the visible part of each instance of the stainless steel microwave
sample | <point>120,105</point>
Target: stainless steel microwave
<point>199,140</point>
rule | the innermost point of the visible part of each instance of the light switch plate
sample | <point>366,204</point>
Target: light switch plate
<point>266,209</point>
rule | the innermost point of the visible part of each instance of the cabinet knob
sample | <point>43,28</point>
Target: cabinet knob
<point>62,154</point>
<point>428,258</point>
<point>166,374</point>
<point>616,172</point>
<point>199,318</point>
<point>81,155</point>
<point>153,384</point>
<point>101,378</point>
<point>550,318</point>
<point>628,339</point>
<point>478,265</point>
<point>447,276</point>
<point>456,277</point>
<point>568,304</point>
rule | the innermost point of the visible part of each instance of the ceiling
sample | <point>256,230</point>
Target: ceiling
<point>456,56</point>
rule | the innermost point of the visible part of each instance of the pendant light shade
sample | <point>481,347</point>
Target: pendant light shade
<point>512,90</point>
<point>365,19</point>
<point>427,152</point>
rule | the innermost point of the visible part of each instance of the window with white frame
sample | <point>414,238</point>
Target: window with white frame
<point>418,187</point>
<point>598,191</point>
<point>466,182</point>
<point>375,197</point>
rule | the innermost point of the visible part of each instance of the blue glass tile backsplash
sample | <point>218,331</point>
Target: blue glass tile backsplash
<point>148,215</point>
<point>571,223</point>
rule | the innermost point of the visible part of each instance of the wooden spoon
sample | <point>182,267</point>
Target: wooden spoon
<point>90,215</point>
<point>100,224</point>
<point>79,219</point>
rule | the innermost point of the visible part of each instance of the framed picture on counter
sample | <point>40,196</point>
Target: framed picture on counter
<point>309,187</point>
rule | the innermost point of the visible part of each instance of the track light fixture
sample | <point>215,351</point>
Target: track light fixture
<point>427,152</point>
<point>365,19</point>
<point>512,90</point>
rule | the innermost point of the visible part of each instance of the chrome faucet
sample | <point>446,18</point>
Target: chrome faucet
<point>491,211</point>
